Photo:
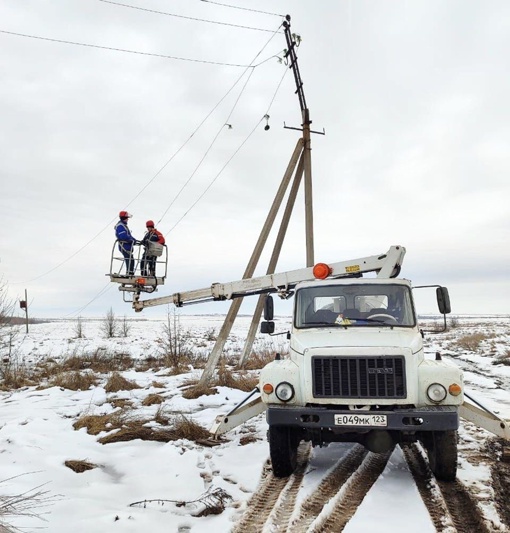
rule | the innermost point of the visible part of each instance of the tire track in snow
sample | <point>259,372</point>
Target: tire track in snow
<point>450,505</point>
<point>312,507</point>
<point>352,494</point>
<point>263,502</point>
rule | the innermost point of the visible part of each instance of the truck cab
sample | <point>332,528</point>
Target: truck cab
<point>356,372</point>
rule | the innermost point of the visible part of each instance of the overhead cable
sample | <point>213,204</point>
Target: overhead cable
<point>226,121</point>
<point>109,224</point>
<point>233,155</point>
<point>207,151</point>
<point>62,41</point>
<point>217,175</point>
<point>185,17</point>
<point>243,8</point>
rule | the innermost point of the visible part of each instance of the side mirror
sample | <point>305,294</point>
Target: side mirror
<point>267,327</point>
<point>268,308</point>
<point>443,300</point>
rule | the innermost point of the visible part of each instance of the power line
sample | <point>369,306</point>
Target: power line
<point>218,174</point>
<point>108,225</point>
<point>62,41</point>
<point>104,290</point>
<point>233,155</point>
<point>207,151</point>
<point>243,8</point>
<point>220,129</point>
<point>185,17</point>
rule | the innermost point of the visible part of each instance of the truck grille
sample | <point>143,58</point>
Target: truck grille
<point>359,377</point>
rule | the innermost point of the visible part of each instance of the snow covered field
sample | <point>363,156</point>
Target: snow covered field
<point>37,436</point>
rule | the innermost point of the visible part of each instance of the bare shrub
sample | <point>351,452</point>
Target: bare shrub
<point>125,327</point>
<point>7,331</point>
<point>79,466</point>
<point>117,382</point>
<point>453,322</point>
<point>174,343</point>
<point>78,328</point>
<point>75,380</point>
<point>26,503</point>
<point>210,335</point>
<point>109,324</point>
<point>471,342</point>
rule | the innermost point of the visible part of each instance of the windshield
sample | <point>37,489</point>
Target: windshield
<point>354,305</point>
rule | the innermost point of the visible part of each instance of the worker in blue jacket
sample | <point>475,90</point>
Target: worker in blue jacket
<point>126,241</point>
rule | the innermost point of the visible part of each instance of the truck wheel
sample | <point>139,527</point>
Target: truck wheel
<point>283,445</point>
<point>442,451</point>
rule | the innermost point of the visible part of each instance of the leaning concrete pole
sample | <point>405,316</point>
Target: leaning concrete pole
<point>250,269</point>
<point>274,259</point>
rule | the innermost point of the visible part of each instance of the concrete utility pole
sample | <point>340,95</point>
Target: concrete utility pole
<point>302,152</point>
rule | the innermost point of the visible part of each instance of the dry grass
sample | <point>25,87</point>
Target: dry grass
<point>472,342</point>
<point>247,439</point>
<point>95,424</point>
<point>100,362</point>
<point>79,466</point>
<point>258,360</point>
<point>181,428</point>
<point>121,403</point>
<point>153,399</point>
<point>74,380</point>
<point>187,428</point>
<point>239,380</point>
<point>123,426</point>
<point>135,429</point>
<point>14,376</point>
<point>195,390</point>
<point>117,382</point>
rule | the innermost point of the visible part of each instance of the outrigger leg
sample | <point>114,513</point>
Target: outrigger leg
<point>239,414</point>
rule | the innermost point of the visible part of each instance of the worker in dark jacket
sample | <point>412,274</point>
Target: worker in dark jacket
<point>148,263</point>
<point>126,241</point>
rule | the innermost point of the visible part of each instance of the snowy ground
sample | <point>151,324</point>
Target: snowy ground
<point>37,437</point>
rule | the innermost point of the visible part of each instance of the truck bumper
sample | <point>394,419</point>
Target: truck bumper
<point>434,418</point>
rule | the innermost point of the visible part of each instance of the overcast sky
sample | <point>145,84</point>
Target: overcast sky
<point>413,97</point>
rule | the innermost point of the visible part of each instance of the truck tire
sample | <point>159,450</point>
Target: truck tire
<point>442,452</point>
<point>283,445</point>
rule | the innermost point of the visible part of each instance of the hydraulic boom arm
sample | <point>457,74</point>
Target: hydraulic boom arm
<point>386,265</point>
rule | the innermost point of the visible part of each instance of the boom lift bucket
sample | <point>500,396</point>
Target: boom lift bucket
<point>139,281</point>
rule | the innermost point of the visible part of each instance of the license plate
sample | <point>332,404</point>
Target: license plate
<point>361,420</point>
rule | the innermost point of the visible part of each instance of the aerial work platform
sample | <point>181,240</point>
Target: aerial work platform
<point>149,271</point>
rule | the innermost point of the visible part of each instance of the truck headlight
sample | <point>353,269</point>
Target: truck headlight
<point>436,392</point>
<point>284,391</point>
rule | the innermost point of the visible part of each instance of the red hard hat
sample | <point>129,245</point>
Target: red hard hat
<point>149,224</point>
<point>124,214</point>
